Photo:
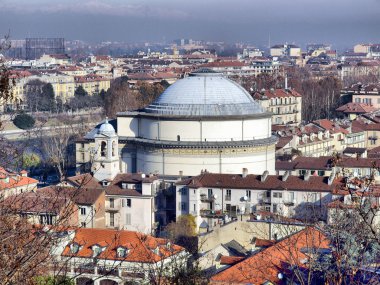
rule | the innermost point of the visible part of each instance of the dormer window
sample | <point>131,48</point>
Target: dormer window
<point>156,251</point>
<point>105,183</point>
<point>74,248</point>
<point>96,250</point>
<point>122,252</point>
<point>168,245</point>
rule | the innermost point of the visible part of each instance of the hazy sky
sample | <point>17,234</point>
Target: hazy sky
<point>340,22</point>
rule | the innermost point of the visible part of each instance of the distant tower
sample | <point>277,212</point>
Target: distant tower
<point>106,159</point>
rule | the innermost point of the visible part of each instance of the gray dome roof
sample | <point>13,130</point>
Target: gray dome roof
<point>205,93</point>
<point>106,129</point>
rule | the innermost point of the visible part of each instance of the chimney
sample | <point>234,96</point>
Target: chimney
<point>264,176</point>
<point>286,175</point>
<point>306,176</point>
<point>245,172</point>
<point>286,82</point>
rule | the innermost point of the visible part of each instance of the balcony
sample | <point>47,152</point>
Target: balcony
<point>112,208</point>
<point>211,213</point>
<point>227,198</point>
<point>207,198</point>
<point>265,200</point>
<point>289,202</point>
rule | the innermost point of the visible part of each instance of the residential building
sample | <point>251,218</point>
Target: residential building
<point>92,83</point>
<point>14,183</point>
<point>352,110</point>
<point>217,198</point>
<point>123,257</point>
<point>283,50</point>
<point>285,104</point>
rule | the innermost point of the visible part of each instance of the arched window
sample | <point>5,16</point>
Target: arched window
<point>113,148</point>
<point>103,149</point>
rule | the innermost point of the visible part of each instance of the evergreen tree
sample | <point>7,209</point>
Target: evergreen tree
<point>80,92</point>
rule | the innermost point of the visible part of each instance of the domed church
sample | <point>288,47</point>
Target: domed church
<point>204,122</point>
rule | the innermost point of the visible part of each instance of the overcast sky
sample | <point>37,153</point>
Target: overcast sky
<point>340,22</point>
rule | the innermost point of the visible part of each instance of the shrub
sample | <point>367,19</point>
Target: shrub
<point>24,121</point>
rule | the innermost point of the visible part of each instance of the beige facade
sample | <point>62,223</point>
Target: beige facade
<point>285,104</point>
<point>93,84</point>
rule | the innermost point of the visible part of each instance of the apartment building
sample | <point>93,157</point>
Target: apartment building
<point>92,83</point>
<point>215,199</point>
<point>15,183</point>
<point>285,104</point>
<point>123,257</point>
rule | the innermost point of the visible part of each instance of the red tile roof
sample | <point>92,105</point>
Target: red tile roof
<point>277,93</point>
<point>268,263</point>
<point>272,182</point>
<point>230,260</point>
<point>356,108</point>
<point>12,180</point>
<point>140,247</point>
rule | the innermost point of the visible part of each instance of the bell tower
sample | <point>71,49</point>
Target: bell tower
<point>106,156</point>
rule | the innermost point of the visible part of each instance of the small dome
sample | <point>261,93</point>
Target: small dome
<point>205,93</point>
<point>107,129</point>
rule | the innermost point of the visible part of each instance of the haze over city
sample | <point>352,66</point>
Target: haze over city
<point>341,22</point>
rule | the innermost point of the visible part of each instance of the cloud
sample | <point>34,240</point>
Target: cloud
<point>92,7</point>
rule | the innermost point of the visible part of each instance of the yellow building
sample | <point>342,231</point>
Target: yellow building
<point>63,85</point>
<point>92,83</point>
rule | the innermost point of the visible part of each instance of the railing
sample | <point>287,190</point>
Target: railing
<point>227,198</point>
<point>207,198</point>
<point>289,202</point>
<point>211,213</point>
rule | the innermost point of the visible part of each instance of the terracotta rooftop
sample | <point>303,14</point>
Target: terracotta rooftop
<point>356,108</point>
<point>140,247</point>
<point>277,93</point>
<point>272,182</point>
<point>267,264</point>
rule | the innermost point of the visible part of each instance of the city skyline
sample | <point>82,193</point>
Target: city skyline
<point>341,23</point>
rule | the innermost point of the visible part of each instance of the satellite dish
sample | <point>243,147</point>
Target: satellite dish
<point>245,198</point>
<point>280,276</point>
<point>215,196</point>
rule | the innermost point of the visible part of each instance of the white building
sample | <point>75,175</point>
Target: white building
<point>204,121</point>
<point>217,198</point>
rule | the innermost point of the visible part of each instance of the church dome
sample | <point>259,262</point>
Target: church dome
<point>106,129</point>
<point>205,93</point>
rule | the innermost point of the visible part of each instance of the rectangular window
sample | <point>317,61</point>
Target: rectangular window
<point>128,219</point>
<point>183,191</point>
<point>112,203</point>
<point>274,208</point>
<point>248,193</point>
<point>112,219</point>
<point>129,203</point>
<point>83,224</point>
<point>182,206</point>
<point>228,207</point>
<point>82,211</point>
<point>209,193</point>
